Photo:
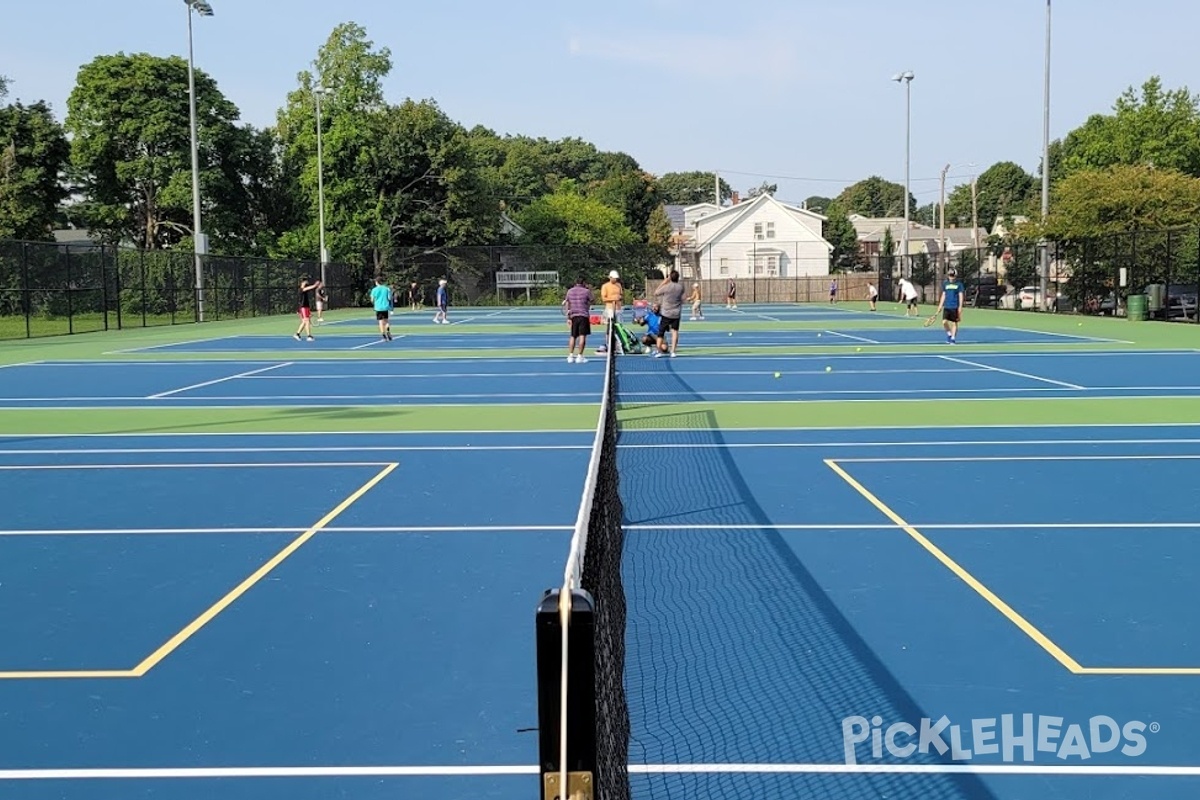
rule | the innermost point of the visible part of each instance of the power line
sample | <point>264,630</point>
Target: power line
<point>826,180</point>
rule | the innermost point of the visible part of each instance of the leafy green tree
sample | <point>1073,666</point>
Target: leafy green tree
<point>568,218</point>
<point>925,215</point>
<point>817,203</point>
<point>633,193</point>
<point>3,87</point>
<point>1091,203</point>
<point>658,230</point>
<point>840,233</point>
<point>130,150</point>
<point>350,71</point>
<point>1003,190</point>
<point>1158,128</point>
<point>875,197</point>
<point>690,188</point>
<point>34,152</point>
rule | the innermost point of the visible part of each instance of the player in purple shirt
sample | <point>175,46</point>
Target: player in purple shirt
<point>577,306</point>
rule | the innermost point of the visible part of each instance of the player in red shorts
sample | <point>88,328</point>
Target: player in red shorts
<point>307,298</point>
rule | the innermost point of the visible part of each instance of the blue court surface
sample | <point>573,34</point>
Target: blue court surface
<point>991,612</point>
<point>353,617</point>
<point>444,339</point>
<point>374,382</point>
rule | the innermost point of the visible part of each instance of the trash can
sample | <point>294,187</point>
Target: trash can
<point>1156,296</point>
<point>1135,307</point>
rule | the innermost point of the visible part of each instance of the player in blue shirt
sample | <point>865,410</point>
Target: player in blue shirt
<point>951,305</point>
<point>443,303</point>
<point>653,322</point>
<point>381,298</point>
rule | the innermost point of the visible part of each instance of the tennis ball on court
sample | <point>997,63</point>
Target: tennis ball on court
<point>858,349</point>
<point>776,374</point>
<point>829,369</point>
<point>818,336</point>
<point>731,333</point>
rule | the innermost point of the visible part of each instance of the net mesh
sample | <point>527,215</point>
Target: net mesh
<point>601,577</point>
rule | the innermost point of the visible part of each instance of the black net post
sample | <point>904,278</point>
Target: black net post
<point>580,631</point>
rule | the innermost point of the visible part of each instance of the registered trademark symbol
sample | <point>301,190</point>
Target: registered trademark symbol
<point>1155,727</point>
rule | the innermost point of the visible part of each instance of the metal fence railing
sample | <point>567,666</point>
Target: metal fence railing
<point>48,289</point>
<point>1087,276</point>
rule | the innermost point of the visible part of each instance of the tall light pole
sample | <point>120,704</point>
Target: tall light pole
<point>906,78</point>
<point>942,206</point>
<point>199,240</point>
<point>318,93</point>
<point>1045,277</point>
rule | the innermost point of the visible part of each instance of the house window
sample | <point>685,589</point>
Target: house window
<point>773,266</point>
<point>758,265</point>
<point>758,230</point>
<point>770,230</point>
<point>724,266</point>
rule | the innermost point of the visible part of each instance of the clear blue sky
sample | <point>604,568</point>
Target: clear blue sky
<point>774,87</point>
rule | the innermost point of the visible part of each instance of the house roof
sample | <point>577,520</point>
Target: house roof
<point>675,213</point>
<point>729,217</point>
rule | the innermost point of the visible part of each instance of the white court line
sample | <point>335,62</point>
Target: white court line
<point>371,343</point>
<point>462,448</point>
<point>941,459</point>
<point>574,373</point>
<point>159,773</point>
<point>851,444</point>
<point>855,338</point>
<point>954,443</point>
<point>200,465</point>
<point>949,526</point>
<point>477,316</point>
<point>509,432</point>
<point>270,530</point>
<point>162,395</point>
<point>1025,375</point>
<point>170,344</point>
<point>22,364</point>
<point>1097,339</point>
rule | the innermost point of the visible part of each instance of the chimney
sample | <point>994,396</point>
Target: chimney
<point>735,199</point>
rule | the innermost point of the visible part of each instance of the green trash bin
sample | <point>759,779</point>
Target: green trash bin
<point>1135,307</point>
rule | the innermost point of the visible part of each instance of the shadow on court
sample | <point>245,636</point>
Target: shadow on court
<point>734,653</point>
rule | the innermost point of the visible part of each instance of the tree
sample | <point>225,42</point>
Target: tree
<point>1091,203</point>
<point>875,197</point>
<point>817,204</point>
<point>1003,190</point>
<point>658,230</point>
<point>633,193</point>
<point>840,233</point>
<point>690,188</point>
<point>1159,128</point>
<point>763,188</point>
<point>568,218</point>
<point>34,152</point>
<point>3,87</point>
<point>129,121</point>
<point>351,71</point>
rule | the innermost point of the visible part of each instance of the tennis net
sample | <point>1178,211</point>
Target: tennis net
<point>583,715</point>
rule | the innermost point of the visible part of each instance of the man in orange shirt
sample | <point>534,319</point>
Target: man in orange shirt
<point>612,294</point>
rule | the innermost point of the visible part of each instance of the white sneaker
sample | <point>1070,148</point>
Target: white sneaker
<point>672,355</point>
<point>657,354</point>
<point>571,358</point>
<point>580,360</point>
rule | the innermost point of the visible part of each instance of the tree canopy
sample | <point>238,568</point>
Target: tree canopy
<point>33,154</point>
<point>875,197</point>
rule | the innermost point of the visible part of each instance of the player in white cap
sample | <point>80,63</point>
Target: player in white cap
<point>697,311</point>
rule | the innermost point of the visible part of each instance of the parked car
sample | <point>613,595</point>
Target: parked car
<point>1030,297</point>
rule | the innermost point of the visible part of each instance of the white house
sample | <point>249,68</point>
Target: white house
<point>760,237</point>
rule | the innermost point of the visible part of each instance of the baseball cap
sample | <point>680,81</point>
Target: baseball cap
<point>614,274</point>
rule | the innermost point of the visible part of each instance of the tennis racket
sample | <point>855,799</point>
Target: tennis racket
<point>929,320</point>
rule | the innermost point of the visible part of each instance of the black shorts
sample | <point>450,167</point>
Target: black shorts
<point>381,315</point>
<point>581,326</point>
<point>912,303</point>
<point>950,314</point>
<point>668,324</point>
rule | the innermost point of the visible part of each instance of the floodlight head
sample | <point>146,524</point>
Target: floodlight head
<point>201,7</point>
<point>902,76</point>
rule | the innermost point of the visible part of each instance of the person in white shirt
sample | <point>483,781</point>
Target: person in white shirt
<point>908,295</point>
<point>872,294</point>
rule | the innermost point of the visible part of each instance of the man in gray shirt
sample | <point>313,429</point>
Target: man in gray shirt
<point>670,297</point>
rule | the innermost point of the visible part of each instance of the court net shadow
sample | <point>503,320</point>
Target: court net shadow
<point>735,654</point>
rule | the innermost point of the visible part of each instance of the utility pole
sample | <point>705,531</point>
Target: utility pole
<point>1045,277</point>
<point>942,224</point>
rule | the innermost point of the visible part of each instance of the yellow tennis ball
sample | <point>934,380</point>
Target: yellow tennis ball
<point>858,349</point>
<point>776,374</point>
<point>829,369</point>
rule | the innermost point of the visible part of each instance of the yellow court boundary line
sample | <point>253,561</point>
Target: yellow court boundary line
<point>172,644</point>
<point>1026,627</point>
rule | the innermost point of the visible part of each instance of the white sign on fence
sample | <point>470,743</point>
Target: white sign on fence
<point>525,280</point>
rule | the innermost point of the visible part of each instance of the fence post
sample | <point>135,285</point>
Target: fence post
<point>70,299</point>
<point>26,297</point>
<point>104,284</point>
